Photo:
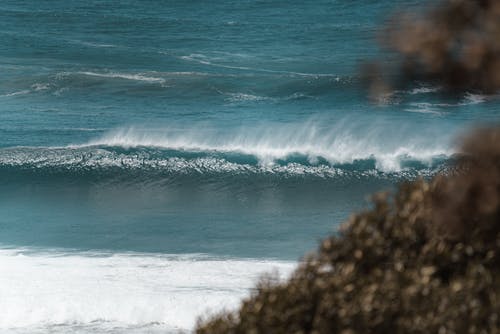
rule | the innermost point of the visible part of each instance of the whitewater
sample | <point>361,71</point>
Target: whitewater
<point>157,159</point>
<point>62,291</point>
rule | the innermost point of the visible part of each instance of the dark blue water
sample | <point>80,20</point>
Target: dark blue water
<point>237,131</point>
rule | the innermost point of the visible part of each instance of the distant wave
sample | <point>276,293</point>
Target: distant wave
<point>94,44</point>
<point>238,97</point>
<point>245,97</point>
<point>21,92</point>
<point>424,90</point>
<point>184,80</point>
<point>62,81</point>
<point>63,291</point>
<point>425,108</point>
<point>205,60</point>
<point>136,77</point>
<point>272,86</point>
<point>439,108</point>
<point>36,87</point>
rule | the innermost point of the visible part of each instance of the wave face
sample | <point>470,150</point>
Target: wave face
<point>62,291</point>
<point>155,162</point>
<point>170,162</point>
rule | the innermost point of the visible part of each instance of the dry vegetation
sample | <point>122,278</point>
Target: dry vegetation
<point>455,44</point>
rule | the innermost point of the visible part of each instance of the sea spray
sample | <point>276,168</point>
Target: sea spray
<point>334,144</point>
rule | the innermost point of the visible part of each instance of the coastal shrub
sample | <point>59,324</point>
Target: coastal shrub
<point>424,260</point>
<point>454,44</point>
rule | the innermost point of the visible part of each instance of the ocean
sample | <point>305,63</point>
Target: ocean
<point>157,158</point>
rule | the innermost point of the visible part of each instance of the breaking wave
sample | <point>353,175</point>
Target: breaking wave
<point>308,144</point>
<point>286,151</point>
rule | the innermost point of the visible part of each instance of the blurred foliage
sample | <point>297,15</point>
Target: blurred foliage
<point>455,44</point>
<point>426,260</point>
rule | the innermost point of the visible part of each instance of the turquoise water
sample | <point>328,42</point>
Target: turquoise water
<point>176,150</point>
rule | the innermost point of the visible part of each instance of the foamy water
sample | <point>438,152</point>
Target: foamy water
<point>57,290</point>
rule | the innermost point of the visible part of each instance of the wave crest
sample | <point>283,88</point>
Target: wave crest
<point>272,145</point>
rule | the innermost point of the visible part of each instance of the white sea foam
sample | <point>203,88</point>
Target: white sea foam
<point>239,97</point>
<point>60,291</point>
<point>439,107</point>
<point>40,86</point>
<point>136,77</point>
<point>36,87</point>
<point>216,62</point>
<point>341,143</point>
<point>151,78</point>
<point>21,92</point>
<point>245,97</point>
<point>475,98</point>
<point>424,108</point>
<point>424,90</point>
